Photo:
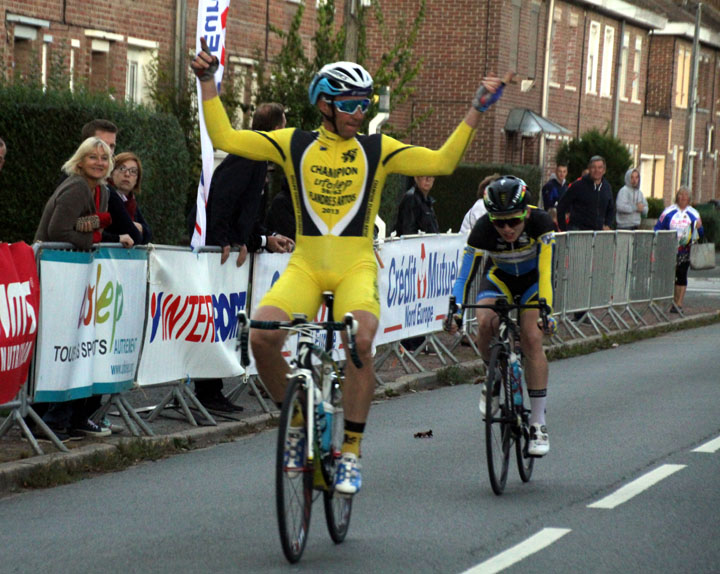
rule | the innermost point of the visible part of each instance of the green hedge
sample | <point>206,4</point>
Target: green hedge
<point>655,207</point>
<point>42,130</point>
<point>710,216</point>
<point>455,194</point>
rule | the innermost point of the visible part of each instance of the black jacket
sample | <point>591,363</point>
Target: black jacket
<point>121,221</point>
<point>281,215</point>
<point>589,209</point>
<point>235,206</point>
<point>416,213</point>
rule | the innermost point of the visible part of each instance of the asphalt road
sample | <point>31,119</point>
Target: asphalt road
<point>625,418</point>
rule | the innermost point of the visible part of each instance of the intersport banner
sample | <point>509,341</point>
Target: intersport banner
<point>192,309</point>
<point>416,279</point>
<point>91,322</point>
<point>19,309</point>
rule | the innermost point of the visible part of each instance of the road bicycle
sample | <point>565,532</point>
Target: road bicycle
<point>313,399</point>
<point>507,419</point>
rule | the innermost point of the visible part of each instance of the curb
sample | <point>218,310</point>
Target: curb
<point>14,474</point>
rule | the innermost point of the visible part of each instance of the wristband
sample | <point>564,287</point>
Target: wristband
<point>263,240</point>
<point>484,98</point>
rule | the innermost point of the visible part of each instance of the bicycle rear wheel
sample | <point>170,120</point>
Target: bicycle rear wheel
<point>498,431</point>
<point>337,508</point>
<point>293,476</point>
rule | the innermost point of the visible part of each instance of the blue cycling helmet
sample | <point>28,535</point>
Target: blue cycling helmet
<point>341,79</point>
<point>506,195</point>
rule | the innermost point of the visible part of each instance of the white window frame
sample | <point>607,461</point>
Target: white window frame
<point>591,72</point>
<point>74,45</point>
<point>682,84</point>
<point>624,55</point>
<point>570,68</point>
<point>637,65</point>
<point>140,55</point>
<point>606,75</point>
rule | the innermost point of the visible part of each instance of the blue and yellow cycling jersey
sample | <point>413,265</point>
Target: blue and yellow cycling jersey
<point>530,255</point>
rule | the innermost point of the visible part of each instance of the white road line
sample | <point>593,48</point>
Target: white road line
<point>635,487</point>
<point>518,552</point>
<point>710,446</point>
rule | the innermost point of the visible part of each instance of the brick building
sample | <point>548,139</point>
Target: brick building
<point>583,64</point>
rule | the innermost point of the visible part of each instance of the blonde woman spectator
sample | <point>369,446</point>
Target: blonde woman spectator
<point>76,213</point>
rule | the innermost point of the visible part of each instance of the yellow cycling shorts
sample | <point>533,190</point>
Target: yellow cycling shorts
<point>299,289</point>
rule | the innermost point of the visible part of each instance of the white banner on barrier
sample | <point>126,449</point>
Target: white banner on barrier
<point>192,317</point>
<point>89,336</point>
<point>416,279</point>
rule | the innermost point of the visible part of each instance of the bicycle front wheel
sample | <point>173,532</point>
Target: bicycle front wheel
<point>525,462</point>
<point>337,508</point>
<point>498,431</point>
<point>293,473</point>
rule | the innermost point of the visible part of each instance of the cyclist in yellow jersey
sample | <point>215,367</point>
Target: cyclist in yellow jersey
<point>336,177</point>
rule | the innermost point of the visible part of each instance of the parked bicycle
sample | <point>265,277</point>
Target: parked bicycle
<point>305,468</point>
<point>506,417</point>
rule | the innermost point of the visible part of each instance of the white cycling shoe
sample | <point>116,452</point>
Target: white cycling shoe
<point>539,443</point>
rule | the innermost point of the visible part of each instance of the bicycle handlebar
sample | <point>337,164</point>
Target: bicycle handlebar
<point>297,324</point>
<point>502,307</point>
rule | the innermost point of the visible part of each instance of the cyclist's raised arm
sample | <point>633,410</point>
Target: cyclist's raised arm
<point>416,160</point>
<point>253,145</point>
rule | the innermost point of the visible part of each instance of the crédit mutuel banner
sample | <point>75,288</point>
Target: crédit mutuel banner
<point>191,329</point>
<point>19,308</point>
<point>416,278</point>
<point>90,325</point>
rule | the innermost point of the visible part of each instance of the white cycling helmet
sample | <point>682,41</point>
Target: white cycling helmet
<point>341,79</point>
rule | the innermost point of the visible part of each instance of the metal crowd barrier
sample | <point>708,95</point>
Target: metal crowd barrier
<point>598,278</point>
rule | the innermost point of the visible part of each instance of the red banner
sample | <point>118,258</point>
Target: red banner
<point>19,306</point>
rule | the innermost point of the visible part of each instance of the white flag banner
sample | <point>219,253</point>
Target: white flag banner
<point>91,322</point>
<point>416,279</point>
<point>211,25</point>
<point>193,303</point>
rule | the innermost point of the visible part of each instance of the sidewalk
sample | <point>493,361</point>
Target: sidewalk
<point>174,433</point>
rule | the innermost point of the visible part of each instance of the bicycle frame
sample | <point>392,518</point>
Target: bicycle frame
<point>306,349</point>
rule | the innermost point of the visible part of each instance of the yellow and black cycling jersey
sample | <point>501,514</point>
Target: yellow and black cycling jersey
<point>529,257</point>
<point>335,183</point>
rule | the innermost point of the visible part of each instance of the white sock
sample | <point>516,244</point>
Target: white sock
<point>537,407</point>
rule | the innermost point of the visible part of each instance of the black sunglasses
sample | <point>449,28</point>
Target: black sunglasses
<point>510,222</point>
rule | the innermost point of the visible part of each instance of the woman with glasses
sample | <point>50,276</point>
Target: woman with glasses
<point>519,240</point>
<point>125,182</point>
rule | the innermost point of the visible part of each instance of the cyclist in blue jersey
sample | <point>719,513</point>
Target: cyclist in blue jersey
<point>519,241</point>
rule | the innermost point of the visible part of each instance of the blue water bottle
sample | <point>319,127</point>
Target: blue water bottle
<point>516,378</point>
<point>327,429</point>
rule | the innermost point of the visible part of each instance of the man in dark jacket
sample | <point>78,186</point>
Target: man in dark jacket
<point>588,204</point>
<point>234,211</point>
<point>416,212</point>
